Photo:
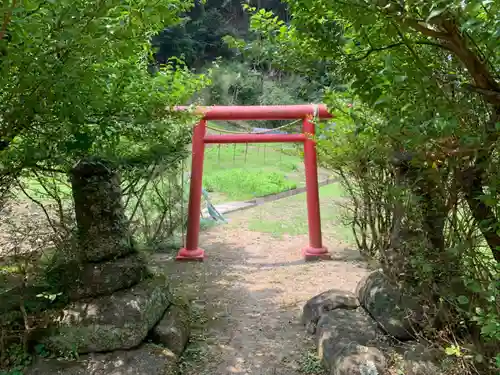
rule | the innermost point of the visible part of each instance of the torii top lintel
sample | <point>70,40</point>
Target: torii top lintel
<point>260,112</point>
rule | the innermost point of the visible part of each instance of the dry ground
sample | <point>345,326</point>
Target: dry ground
<point>249,294</point>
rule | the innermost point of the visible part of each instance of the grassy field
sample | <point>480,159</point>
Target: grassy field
<point>241,172</point>
<point>289,215</point>
<point>234,172</point>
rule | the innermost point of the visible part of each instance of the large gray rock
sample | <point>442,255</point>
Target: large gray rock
<point>341,328</point>
<point>355,359</point>
<point>173,330</point>
<point>145,360</point>
<point>119,321</point>
<point>103,230</point>
<point>100,279</point>
<point>397,313</point>
<point>327,301</point>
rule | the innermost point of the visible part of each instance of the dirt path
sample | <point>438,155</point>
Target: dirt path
<point>249,294</point>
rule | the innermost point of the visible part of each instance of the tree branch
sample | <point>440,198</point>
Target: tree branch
<point>414,24</point>
<point>372,50</point>
<point>48,169</point>
<point>394,45</point>
<point>6,20</point>
<point>484,215</point>
<point>494,95</point>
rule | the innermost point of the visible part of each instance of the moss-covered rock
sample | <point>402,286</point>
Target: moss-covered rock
<point>173,330</point>
<point>119,321</point>
<point>79,281</point>
<point>144,360</point>
<point>396,311</point>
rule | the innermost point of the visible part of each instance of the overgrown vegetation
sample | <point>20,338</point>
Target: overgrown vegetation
<point>242,172</point>
<point>242,184</point>
<point>417,151</point>
<point>310,364</point>
<point>74,84</point>
<point>415,87</point>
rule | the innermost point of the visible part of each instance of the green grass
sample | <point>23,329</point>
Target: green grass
<point>240,172</point>
<point>240,184</point>
<point>289,215</point>
<point>35,189</point>
<point>310,364</point>
<point>265,157</point>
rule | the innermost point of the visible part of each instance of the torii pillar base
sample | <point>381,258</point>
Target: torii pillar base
<point>313,254</point>
<point>197,255</point>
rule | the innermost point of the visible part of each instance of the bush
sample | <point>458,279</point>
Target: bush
<point>154,203</point>
<point>409,214</point>
<point>240,84</point>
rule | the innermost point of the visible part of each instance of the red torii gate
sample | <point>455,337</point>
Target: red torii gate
<point>315,250</point>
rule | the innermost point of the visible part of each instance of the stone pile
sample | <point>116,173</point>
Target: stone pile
<point>116,306</point>
<point>362,333</point>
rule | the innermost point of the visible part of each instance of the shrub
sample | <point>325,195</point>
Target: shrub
<point>409,214</point>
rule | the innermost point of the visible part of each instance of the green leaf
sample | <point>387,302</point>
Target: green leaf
<point>463,300</point>
<point>453,350</point>
<point>491,329</point>
<point>435,13</point>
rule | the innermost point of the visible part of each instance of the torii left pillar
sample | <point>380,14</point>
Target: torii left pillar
<point>191,251</point>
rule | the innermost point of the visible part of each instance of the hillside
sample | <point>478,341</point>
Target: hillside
<point>199,37</point>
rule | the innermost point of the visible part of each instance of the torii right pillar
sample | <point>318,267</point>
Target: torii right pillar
<point>315,250</point>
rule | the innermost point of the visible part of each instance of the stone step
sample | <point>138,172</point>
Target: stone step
<point>226,208</point>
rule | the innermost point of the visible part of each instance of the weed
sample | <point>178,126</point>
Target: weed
<point>15,360</point>
<point>310,364</point>
<point>193,355</point>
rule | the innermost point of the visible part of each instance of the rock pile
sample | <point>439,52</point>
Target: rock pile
<point>116,304</point>
<point>356,334</point>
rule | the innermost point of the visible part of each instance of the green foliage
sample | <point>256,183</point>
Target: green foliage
<point>74,82</point>
<point>245,184</point>
<point>234,83</point>
<point>417,149</point>
<point>156,204</point>
<point>240,84</point>
<point>310,364</point>
<point>49,296</point>
<point>199,38</point>
<point>16,359</point>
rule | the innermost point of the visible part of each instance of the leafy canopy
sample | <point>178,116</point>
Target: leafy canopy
<point>74,81</point>
<point>399,58</point>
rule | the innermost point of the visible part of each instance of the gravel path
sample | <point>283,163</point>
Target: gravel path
<point>250,291</point>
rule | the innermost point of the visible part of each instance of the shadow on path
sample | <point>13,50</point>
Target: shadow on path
<point>250,291</point>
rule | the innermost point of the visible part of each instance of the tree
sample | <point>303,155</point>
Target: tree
<point>408,55</point>
<point>74,83</point>
<point>199,38</point>
<point>423,78</point>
